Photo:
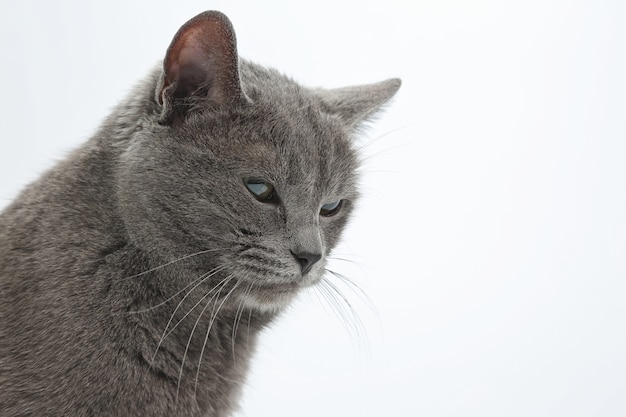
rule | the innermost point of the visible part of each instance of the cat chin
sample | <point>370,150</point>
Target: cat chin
<point>274,298</point>
<point>263,304</point>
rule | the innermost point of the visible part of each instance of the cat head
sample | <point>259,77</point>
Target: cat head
<point>244,167</point>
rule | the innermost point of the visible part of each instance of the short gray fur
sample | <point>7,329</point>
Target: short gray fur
<point>97,254</point>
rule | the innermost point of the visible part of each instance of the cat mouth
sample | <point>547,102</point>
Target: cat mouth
<point>269,291</point>
<point>292,285</point>
<point>271,297</point>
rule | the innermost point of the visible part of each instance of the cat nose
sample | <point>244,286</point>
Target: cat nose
<point>306,260</point>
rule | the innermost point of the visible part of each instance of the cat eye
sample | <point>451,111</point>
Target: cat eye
<point>330,209</point>
<point>260,189</point>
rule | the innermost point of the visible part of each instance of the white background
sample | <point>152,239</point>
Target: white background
<point>492,235</point>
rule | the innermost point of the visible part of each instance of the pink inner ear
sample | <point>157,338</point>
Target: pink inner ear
<point>185,53</point>
<point>194,69</point>
<point>202,60</point>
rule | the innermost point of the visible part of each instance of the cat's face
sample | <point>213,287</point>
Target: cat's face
<point>258,179</point>
<point>267,188</point>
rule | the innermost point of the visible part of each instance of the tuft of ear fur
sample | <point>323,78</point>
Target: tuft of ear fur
<point>201,67</point>
<point>355,104</point>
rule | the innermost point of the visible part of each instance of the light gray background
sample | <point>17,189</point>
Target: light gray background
<point>492,235</point>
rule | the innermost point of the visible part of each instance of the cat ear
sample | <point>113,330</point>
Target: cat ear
<point>201,68</point>
<point>354,105</point>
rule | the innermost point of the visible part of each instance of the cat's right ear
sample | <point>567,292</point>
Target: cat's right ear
<point>201,69</point>
<point>357,104</point>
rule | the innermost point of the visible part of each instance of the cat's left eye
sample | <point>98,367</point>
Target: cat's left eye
<point>330,209</point>
<point>260,189</point>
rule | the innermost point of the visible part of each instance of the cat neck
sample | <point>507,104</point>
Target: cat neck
<point>198,349</point>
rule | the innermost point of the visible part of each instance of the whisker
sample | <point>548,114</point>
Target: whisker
<point>331,300</point>
<point>198,282</point>
<point>357,326</point>
<point>379,137</point>
<point>357,290</point>
<point>238,316</point>
<point>339,258</point>
<point>193,330</point>
<point>367,158</point>
<point>206,338</point>
<point>165,333</point>
<point>182,258</point>
<point>204,297</point>
<point>335,306</point>
<point>248,329</point>
<point>322,298</point>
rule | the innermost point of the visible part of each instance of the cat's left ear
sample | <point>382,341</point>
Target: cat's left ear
<point>201,68</point>
<point>355,105</point>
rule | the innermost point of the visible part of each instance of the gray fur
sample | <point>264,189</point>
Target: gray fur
<point>95,256</point>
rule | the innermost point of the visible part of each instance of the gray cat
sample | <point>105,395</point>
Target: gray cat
<point>136,275</point>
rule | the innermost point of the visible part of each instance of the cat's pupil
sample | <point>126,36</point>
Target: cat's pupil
<point>330,209</point>
<point>260,189</point>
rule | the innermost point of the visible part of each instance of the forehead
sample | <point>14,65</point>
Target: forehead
<point>291,146</point>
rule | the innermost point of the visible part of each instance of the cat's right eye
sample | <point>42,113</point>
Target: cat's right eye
<point>260,189</point>
<point>330,209</point>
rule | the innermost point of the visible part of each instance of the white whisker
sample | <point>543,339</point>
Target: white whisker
<point>379,137</point>
<point>344,308</point>
<point>238,316</point>
<point>197,282</point>
<point>357,290</point>
<point>203,279</point>
<point>248,329</point>
<point>193,330</point>
<point>369,157</point>
<point>206,338</point>
<point>182,258</point>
